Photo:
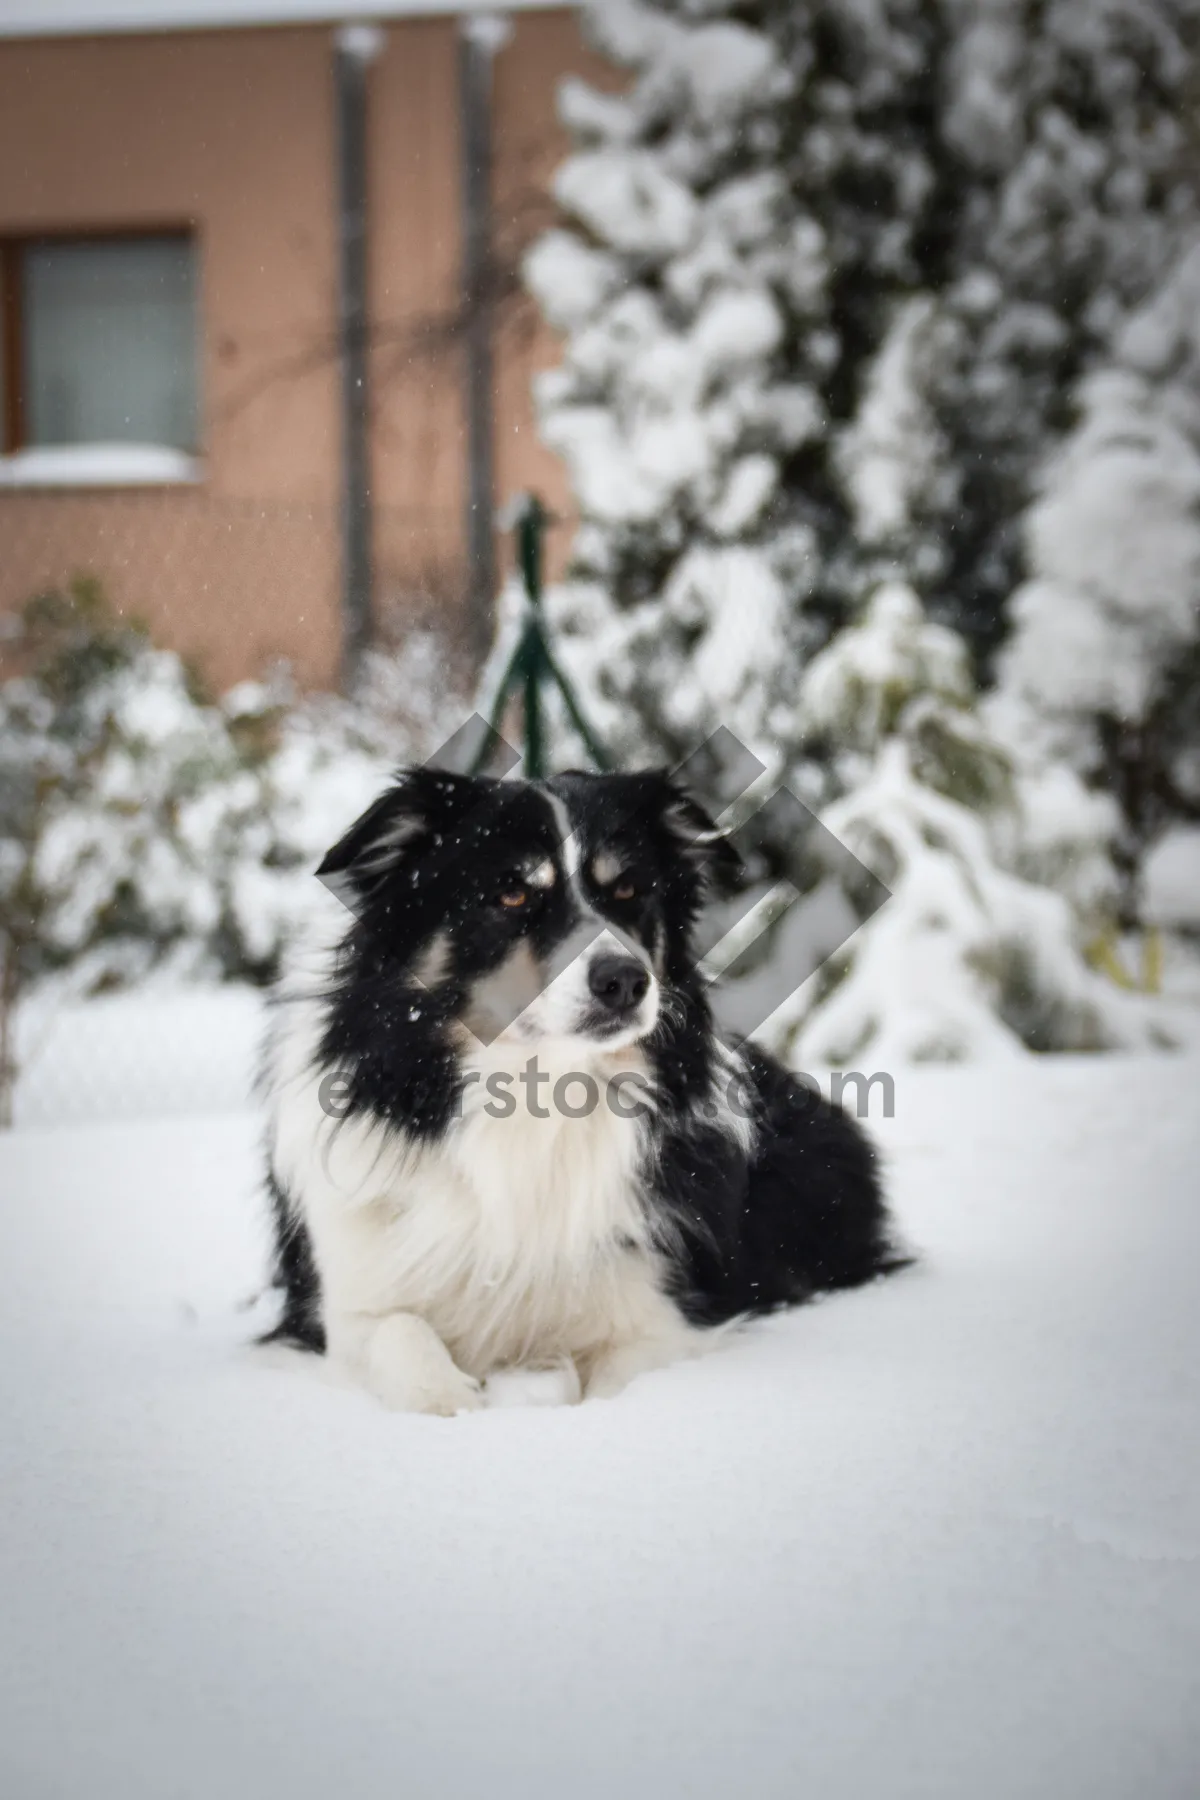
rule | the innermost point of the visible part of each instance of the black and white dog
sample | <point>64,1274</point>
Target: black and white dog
<point>504,1131</point>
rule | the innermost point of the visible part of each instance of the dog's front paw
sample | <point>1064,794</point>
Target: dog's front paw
<point>409,1369</point>
<point>443,1397</point>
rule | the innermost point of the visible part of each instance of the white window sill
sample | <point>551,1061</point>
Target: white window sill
<point>99,465</point>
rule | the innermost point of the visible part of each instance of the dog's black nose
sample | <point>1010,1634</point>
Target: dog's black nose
<point>618,982</point>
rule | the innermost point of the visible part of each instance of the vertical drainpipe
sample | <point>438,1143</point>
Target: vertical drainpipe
<point>480,36</point>
<point>355,48</point>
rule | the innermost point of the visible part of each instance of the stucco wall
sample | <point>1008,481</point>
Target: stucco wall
<point>231,132</point>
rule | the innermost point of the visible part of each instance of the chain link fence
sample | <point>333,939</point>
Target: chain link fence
<point>237,585</point>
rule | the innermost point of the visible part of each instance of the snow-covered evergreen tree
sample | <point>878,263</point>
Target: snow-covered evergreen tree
<point>1103,667</point>
<point>737,222</point>
<point>791,194</point>
<point>968,957</point>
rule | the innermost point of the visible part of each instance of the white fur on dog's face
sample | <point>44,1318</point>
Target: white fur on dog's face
<point>565,1008</point>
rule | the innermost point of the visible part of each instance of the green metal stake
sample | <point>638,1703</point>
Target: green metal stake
<point>530,529</point>
<point>531,664</point>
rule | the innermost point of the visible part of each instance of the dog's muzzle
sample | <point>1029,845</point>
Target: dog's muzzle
<point>618,984</point>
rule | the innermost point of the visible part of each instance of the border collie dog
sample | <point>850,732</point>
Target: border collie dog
<point>505,1134</point>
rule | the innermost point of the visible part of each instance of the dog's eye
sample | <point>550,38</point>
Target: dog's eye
<point>625,889</point>
<point>514,896</point>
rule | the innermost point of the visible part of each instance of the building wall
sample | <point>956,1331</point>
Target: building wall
<point>232,133</point>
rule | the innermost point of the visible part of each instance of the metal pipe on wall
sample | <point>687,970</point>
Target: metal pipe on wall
<point>355,48</point>
<point>480,36</point>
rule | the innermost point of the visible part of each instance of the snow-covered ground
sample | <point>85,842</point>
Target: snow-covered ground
<point>155,1051</point>
<point>939,1538</point>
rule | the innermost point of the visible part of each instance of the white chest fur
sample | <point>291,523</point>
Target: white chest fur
<point>520,1237</point>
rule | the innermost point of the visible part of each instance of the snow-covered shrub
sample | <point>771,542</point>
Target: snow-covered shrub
<point>102,744</point>
<point>144,823</point>
<point>968,957</point>
<point>105,741</point>
<point>1103,667</point>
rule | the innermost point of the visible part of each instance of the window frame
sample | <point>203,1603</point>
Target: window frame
<point>13,247</point>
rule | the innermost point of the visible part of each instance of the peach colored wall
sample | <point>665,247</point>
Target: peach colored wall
<point>231,132</point>
<point>228,132</point>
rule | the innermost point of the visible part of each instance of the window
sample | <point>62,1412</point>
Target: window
<point>99,342</point>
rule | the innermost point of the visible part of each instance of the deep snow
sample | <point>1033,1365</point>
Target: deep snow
<point>938,1538</point>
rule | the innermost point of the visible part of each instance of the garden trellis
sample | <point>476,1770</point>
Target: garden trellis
<point>532,666</point>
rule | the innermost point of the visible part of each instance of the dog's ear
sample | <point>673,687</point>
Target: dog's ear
<point>699,839</point>
<point>375,842</point>
<point>422,806</point>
